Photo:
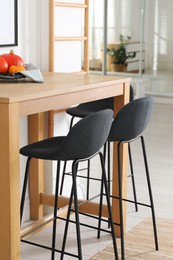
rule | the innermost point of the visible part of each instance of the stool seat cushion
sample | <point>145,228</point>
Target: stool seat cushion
<point>46,149</point>
<point>84,109</point>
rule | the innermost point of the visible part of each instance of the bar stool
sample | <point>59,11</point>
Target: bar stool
<point>83,142</point>
<point>83,110</point>
<point>128,126</point>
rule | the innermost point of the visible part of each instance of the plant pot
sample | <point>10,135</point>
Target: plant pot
<point>118,67</point>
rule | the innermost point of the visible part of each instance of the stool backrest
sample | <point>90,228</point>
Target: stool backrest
<point>131,120</point>
<point>87,136</point>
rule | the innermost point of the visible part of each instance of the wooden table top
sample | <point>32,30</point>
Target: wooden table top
<point>54,84</point>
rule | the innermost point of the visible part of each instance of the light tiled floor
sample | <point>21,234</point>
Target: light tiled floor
<point>159,144</point>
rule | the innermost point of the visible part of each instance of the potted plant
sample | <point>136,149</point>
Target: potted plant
<point>119,56</point>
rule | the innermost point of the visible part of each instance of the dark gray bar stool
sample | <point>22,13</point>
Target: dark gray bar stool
<point>128,126</point>
<point>82,143</point>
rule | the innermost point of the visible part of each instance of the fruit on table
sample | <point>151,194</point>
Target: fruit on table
<point>12,59</point>
<point>3,65</point>
<point>15,69</point>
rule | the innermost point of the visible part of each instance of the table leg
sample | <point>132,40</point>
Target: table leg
<point>36,133</point>
<point>9,183</point>
<point>120,101</point>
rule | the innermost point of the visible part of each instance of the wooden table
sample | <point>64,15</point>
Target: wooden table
<point>58,91</point>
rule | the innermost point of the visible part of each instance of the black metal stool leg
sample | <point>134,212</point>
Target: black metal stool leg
<point>55,211</point>
<point>74,173</point>
<point>88,179</point>
<point>101,197</point>
<point>109,172</point>
<point>24,187</point>
<point>63,177</point>
<point>67,225</point>
<point>132,176</point>
<point>109,206</point>
<point>100,209</point>
<point>150,193</point>
<point>120,201</point>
